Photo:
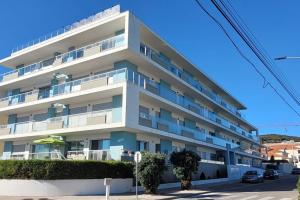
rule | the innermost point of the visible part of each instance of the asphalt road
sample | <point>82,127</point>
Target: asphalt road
<point>281,189</point>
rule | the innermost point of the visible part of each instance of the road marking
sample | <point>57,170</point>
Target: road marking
<point>214,195</point>
<point>230,197</point>
<point>266,198</point>
<point>286,199</point>
<point>251,197</point>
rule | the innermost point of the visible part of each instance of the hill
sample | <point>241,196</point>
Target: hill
<point>276,138</point>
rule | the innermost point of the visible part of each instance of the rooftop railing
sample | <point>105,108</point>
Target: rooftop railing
<point>91,49</point>
<point>97,17</point>
<point>153,55</point>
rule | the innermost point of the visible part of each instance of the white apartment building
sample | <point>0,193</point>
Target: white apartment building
<point>109,86</point>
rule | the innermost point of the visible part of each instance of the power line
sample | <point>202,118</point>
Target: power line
<point>266,83</point>
<point>234,14</point>
<point>264,58</point>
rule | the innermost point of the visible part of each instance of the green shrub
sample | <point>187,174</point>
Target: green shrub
<point>184,164</point>
<point>150,170</point>
<point>63,169</point>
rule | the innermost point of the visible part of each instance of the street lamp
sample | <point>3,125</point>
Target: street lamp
<point>287,57</point>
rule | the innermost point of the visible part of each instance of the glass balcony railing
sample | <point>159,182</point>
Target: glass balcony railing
<point>107,78</point>
<point>168,94</point>
<point>153,55</point>
<point>67,121</point>
<point>172,126</point>
<point>117,76</point>
<point>99,16</point>
<point>57,155</point>
<point>108,44</point>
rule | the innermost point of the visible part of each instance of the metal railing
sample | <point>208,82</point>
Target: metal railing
<point>82,52</point>
<point>97,17</point>
<point>153,55</point>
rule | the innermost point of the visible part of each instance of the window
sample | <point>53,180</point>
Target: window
<point>44,92</point>
<point>204,155</point>
<point>102,106</point>
<point>157,148</point>
<point>142,146</point>
<point>75,145</point>
<point>212,133</point>
<point>18,148</point>
<point>213,156</point>
<point>144,112</point>
<point>100,144</point>
<point>239,161</point>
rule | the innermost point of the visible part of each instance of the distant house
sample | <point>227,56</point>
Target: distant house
<point>287,150</point>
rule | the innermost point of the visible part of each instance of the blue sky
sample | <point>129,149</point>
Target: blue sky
<point>192,33</point>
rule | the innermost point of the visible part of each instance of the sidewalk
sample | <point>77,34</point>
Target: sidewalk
<point>165,194</point>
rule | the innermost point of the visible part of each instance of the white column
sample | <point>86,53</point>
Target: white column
<point>27,151</point>
<point>86,148</point>
<point>30,125</point>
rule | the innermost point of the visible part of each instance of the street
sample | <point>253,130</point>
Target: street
<point>282,189</point>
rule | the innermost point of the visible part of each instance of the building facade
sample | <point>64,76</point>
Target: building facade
<point>288,150</point>
<point>109,86</point>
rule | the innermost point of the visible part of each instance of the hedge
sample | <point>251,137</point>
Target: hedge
<point>64,169</point>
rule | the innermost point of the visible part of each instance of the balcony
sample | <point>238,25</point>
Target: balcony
<point>92,49</point>
<point>103,79</point>
<point>57,155</point>
<point>62,122</point>
<point>171,126</point>
<point>170,95</point>
<point>153,55</point>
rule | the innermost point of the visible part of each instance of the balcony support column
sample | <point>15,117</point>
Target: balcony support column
<point>86,149</point>
<point>27,151</point>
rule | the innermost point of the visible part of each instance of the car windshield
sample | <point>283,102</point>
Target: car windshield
<point>251,173</point>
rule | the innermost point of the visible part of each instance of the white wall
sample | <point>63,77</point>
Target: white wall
<point>61,187</point>
<point>237,171</point>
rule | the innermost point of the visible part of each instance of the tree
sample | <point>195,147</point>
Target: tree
<point>184,164</point>
<point>150,170</point>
